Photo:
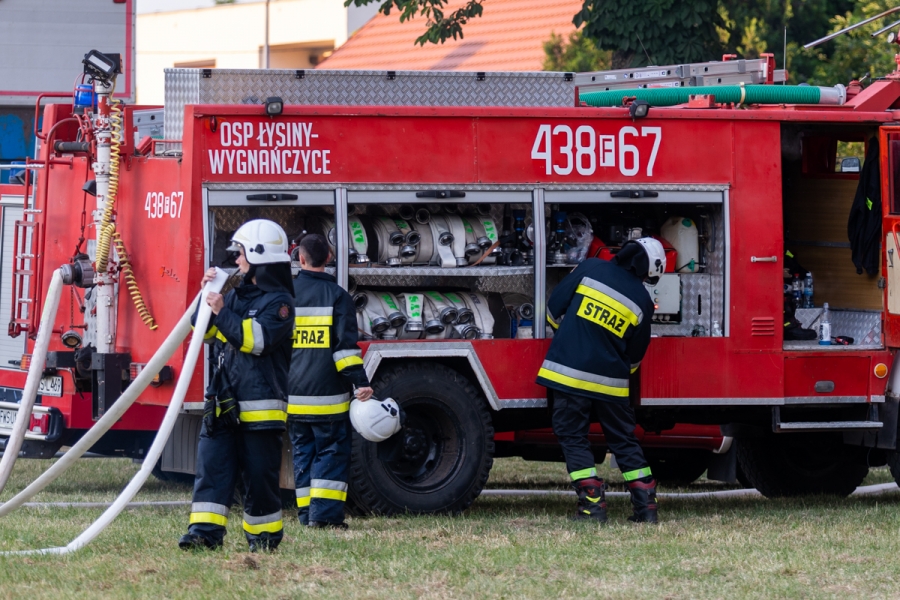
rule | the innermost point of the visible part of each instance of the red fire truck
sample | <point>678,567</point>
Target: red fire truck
<point>455,202</point>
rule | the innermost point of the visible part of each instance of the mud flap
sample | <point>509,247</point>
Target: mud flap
<point>723,467</point>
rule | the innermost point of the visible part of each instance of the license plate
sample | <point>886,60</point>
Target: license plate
<point>51,385</point>
<point>7,418</point>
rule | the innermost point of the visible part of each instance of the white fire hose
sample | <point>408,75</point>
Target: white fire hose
<point>35,372</point>
<point>484,320</point>
<point>458,231</point>
<point>165,429</point>
<point>411,303</point>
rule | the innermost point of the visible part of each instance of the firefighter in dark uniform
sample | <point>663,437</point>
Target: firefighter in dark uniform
<point>325,368</point>
<point>246,401</point>
<point>601,312</point>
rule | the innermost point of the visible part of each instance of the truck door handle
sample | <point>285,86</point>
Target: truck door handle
<point>755,259</point>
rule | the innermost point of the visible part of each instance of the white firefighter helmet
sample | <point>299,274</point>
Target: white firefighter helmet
<point>264,242</point>
<point>656,256</point>
<point>375,420</point>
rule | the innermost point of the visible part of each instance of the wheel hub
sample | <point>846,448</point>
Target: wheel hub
<point>415,444</point>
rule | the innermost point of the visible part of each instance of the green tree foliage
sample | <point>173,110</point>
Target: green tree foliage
<point>855,53</point>
<point>759,26</point>
<point>441,26</point>
<point>677,31</point>
<point>653,32</point>
<point>575,53</point>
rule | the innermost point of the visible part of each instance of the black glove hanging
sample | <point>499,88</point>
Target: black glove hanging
<point>209,414</point>
<point>229,414</point>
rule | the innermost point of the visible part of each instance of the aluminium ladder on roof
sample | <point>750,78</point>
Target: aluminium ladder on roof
<point>726,72</point>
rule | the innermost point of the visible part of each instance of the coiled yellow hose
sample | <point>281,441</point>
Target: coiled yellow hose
<point>108,234</point>
<point>131,282</point>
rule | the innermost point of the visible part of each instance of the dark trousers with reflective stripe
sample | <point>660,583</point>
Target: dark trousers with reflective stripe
<point>572,420</point>
<point>220,458</point>
<point>321,468</point>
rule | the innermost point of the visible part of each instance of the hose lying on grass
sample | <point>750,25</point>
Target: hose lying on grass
<point>864,490</point>
<point>165,428</point>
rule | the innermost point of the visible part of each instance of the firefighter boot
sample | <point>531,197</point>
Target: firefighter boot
<point>591,500</point>
<point>643,499</point>
<point>263,542</point>
<point>193,541</point>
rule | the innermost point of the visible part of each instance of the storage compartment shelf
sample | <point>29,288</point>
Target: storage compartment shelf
<point>813,346</point>
<point>518,280</point>
<point>358,272</point>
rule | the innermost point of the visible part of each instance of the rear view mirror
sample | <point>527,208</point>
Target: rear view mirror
<point>850,165</point>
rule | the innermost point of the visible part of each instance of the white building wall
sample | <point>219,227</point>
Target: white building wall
<point>233,36</point>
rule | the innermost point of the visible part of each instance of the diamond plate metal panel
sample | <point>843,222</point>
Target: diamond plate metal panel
<point>182,88</point>
<point>522,403</point>
<point>864,326</point>
<point>379,187</point>
<point>484,279</point>
<point>360,88</point>
<point>695,308</point>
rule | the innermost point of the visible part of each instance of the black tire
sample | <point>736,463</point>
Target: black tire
<point>679,467</point>
<point>181,479</point>
<point>447,445</point>
<point>799,464</point>
<point>893,462</point>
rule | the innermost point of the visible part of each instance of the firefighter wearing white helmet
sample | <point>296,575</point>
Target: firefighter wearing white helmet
<point>245,410</point>
<point>601,313</point>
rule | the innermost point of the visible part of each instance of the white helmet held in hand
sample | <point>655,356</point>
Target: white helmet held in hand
<point>264,242</point>
<point>375,420</point>
<point>656,255</point>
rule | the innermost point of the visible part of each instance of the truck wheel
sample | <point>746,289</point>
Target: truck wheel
<point>182,479</point>
<point>798,464</point>
<point>444,455</point>
<point>893,462</point>
<point>679,467</point>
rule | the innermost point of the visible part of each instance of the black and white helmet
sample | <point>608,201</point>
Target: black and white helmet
<point>656,256</point>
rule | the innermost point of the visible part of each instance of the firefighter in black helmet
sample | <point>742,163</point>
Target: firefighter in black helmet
<point>601,312</point>
<point>246,401</point>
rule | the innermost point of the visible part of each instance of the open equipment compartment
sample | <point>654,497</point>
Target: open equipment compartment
<point>690,296</point>
<point>816,198</point>
<point>440,263</point>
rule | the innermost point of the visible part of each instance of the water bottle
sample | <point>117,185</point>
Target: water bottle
<point>797,290</point>
<point>825,327</point>
<point>808,291</point>
<point>716,329</point>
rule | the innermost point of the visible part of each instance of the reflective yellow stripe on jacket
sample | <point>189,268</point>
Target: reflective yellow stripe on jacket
<point>347,358</point>
<point>255,411</point>
<point>312,326</point>
<point>318,405</point>
<point>253,337</point>
<point>582,380</point>
<point>617,301</point>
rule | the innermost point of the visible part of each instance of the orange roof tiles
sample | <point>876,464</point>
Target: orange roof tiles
<point>509,36</point>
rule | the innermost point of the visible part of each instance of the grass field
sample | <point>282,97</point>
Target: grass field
<point>500,548</point>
